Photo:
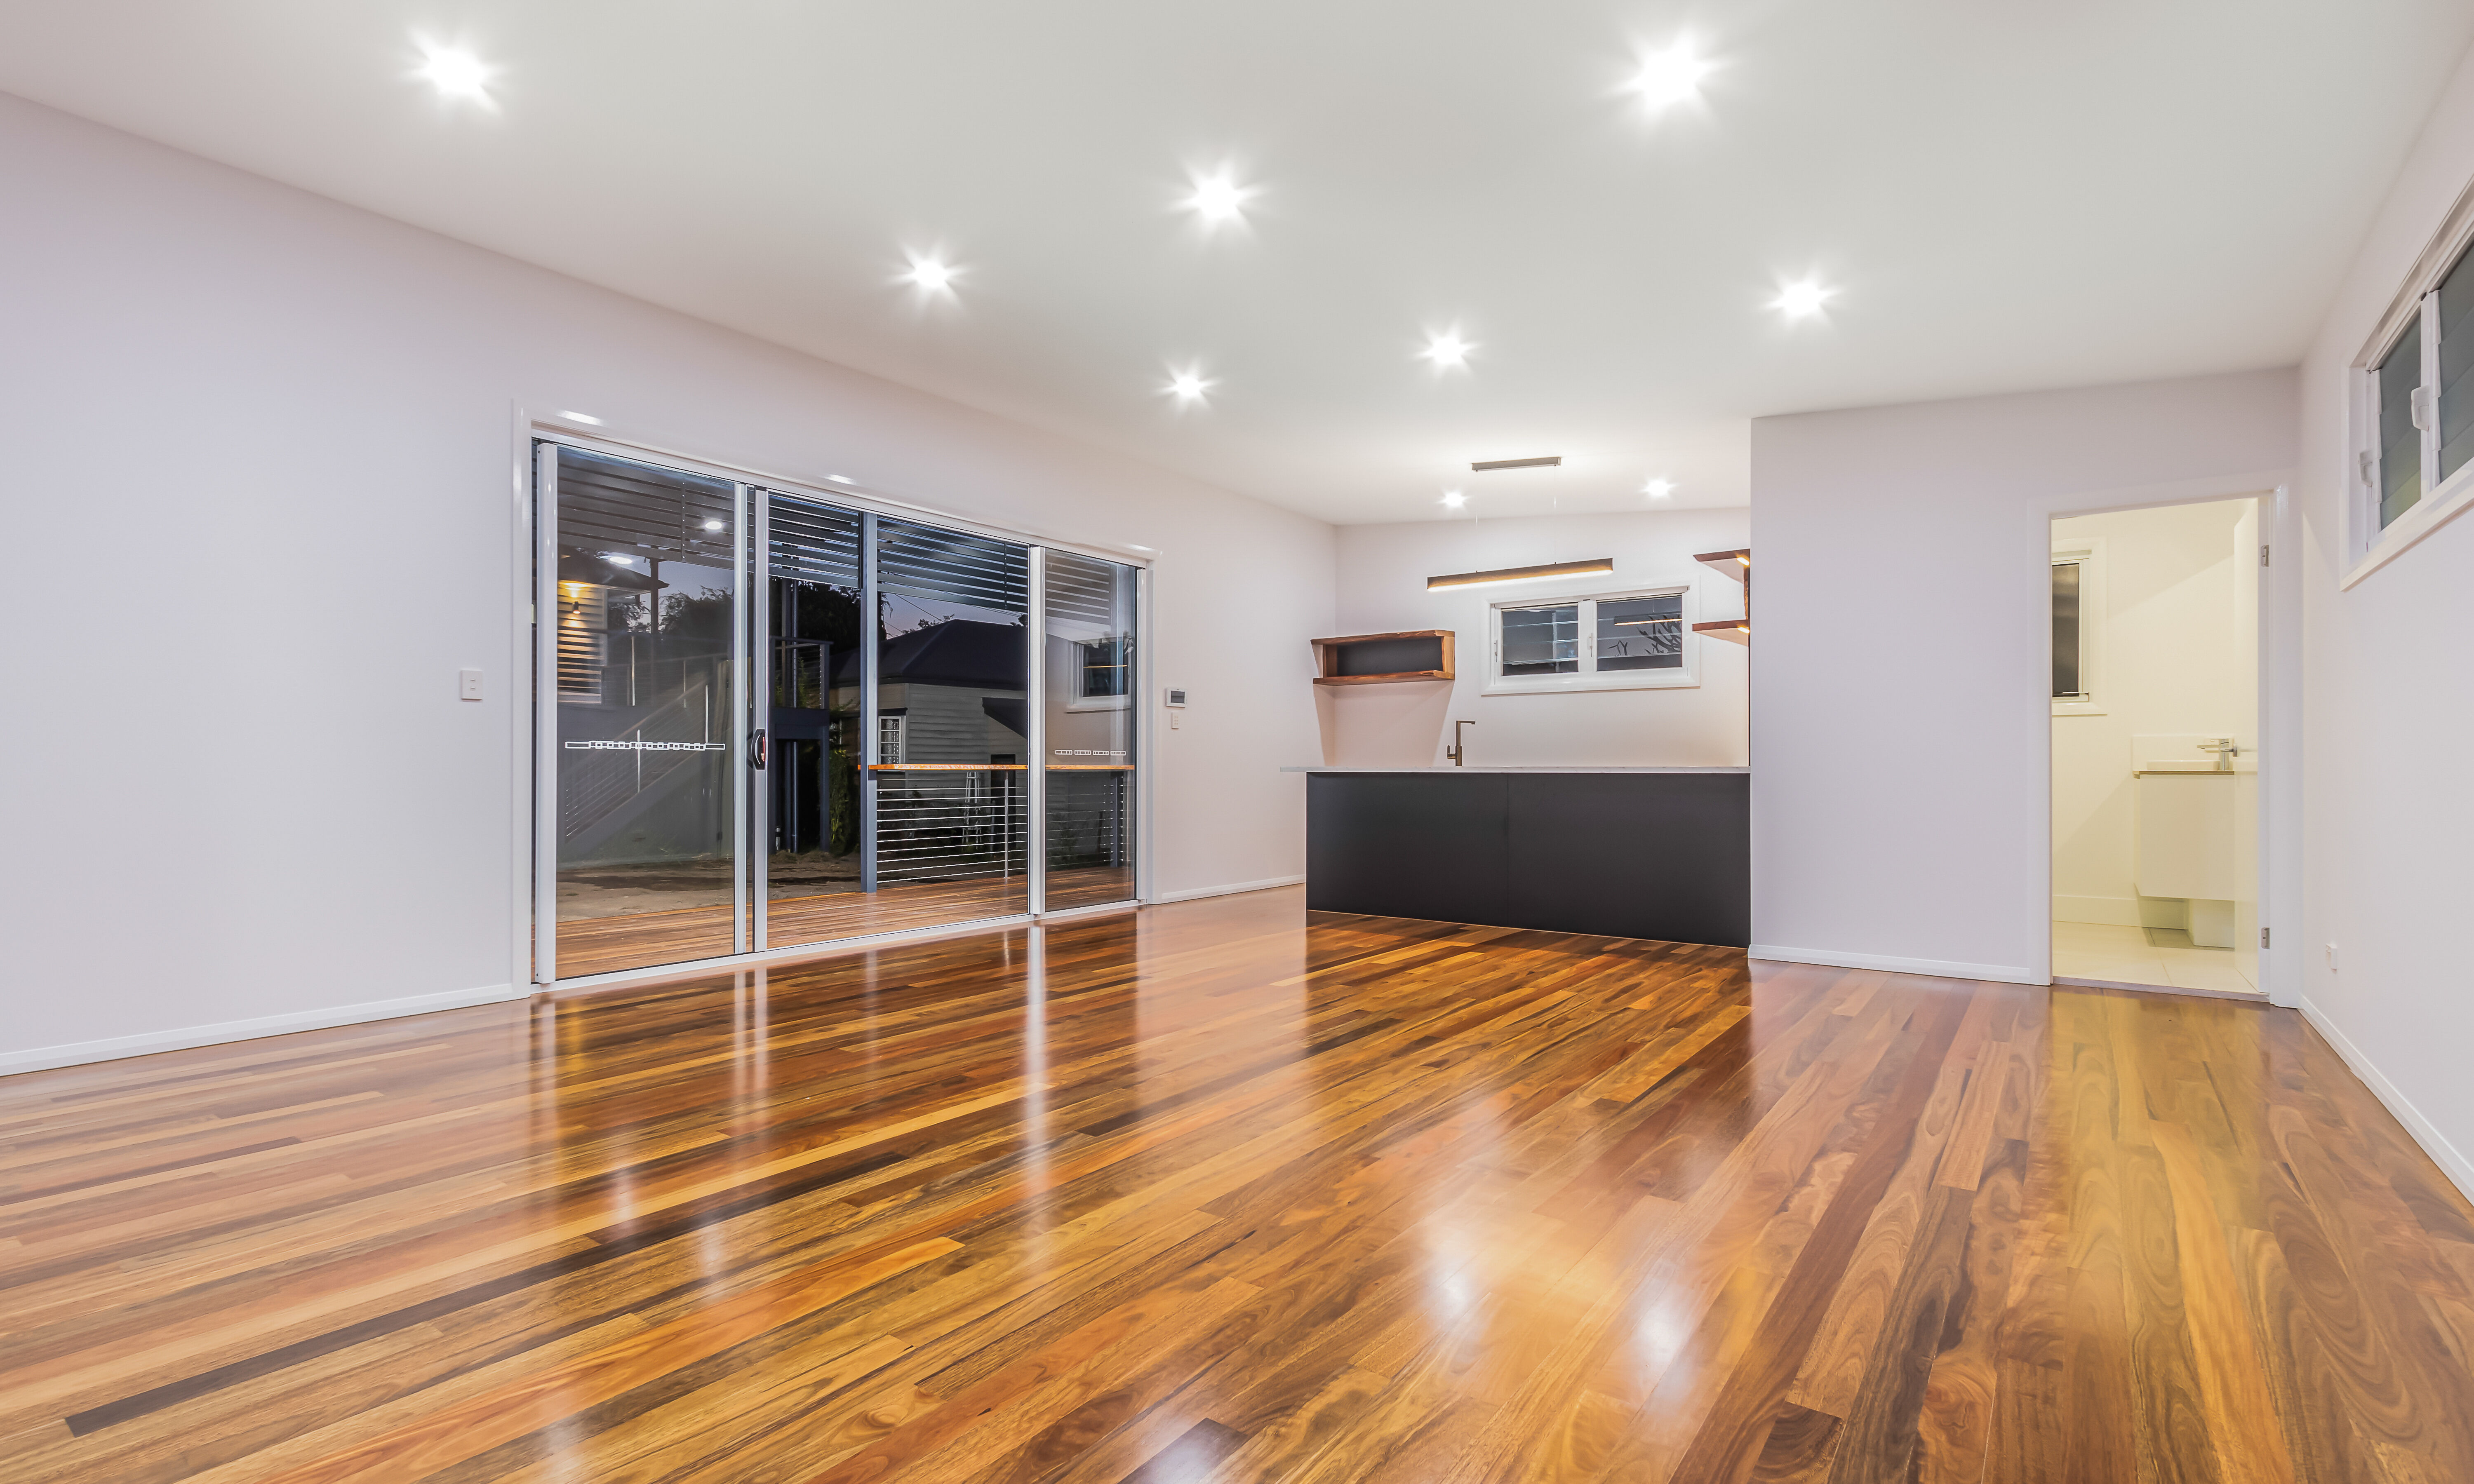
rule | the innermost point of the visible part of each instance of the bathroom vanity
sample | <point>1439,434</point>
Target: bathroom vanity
<point>2191,842</point>
<point>1627,853</point>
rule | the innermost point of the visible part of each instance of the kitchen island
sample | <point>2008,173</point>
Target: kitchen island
<point>1624,852</point>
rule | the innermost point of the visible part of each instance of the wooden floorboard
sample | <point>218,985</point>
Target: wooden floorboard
<point>1225,1191</point>
<point>645,940</point>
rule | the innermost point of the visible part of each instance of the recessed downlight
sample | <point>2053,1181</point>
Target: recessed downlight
<point>1670,77</point>
<point>1658,489</point>
<point>1188,385</point>
<point>1802,299</point>
<point>1218,197</point>
<point>1454,498</point>
<point>454,72</point>
<point>929,275</point>
<point>1447,349</point>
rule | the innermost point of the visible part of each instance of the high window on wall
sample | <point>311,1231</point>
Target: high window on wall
<point>2078,627</point>
<point>1601,641</point>
<point>2414,414</point>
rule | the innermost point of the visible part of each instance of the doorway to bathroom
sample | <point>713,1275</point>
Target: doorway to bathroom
<point>2156,748</point>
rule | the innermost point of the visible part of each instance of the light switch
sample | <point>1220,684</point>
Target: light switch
<point>469,685</point>
<point>1176,720</point>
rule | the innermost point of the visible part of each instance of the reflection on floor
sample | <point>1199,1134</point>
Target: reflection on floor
<point>606,944</point>
<point>645,940</point>
<point>2160,957</point>
<point>1224,1190</point>
<point>634,888</point>
<point>1089,886</point>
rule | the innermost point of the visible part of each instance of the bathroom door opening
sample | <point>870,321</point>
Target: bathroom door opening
<point>2156,748</point>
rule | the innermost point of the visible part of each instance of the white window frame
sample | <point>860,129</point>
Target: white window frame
<point>2088,551</point>
<point>1075,701</point>
<point>2368,547</point>
<point>900,731</point>
<point>1590,677</point>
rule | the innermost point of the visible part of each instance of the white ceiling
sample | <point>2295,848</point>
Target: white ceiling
<point>2007,194</point>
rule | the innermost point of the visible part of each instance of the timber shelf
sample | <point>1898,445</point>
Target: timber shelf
<point>1384,659</point>
<point>1737,565</point>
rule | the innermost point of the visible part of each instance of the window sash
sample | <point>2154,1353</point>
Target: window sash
<point>2415,430</point>
<point>1577,642</point>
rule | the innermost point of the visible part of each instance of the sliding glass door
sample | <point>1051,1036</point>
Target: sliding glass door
<point>812,745</point>
<point>638,845</point>
<point>766,720</point>
<point>947,778</point>
<point>1090,747</point>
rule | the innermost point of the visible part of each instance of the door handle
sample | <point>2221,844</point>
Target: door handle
<point>759,738</point>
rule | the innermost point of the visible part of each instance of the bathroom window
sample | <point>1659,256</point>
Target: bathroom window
<point>1603,642</point>
<point>2070,679</point>
<point>890,738</point>
<point>2415,409</point>
<point>2078,626</point>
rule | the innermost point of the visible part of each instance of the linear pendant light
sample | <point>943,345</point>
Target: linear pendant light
<point>1521,574</point>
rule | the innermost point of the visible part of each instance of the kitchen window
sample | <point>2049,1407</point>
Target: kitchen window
<point>1605,641</point>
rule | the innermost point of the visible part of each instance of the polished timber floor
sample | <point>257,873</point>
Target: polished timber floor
<point>1224,1192</point>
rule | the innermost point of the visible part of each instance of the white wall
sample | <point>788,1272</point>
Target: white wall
<point>1901,691</point>
<point>2173,666</point>
<point>2389,668</point>
<point>1382,572</point>
<point>259,463</point>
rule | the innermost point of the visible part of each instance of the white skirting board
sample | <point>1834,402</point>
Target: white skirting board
<point>79,1053</point>
<point>1230,890</point>
<point>1933,968</point>
<point>2451,1161</point>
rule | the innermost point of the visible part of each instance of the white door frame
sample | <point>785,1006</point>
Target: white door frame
<point>2279,718</point>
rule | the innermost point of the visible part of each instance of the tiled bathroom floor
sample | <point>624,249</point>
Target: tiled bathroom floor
<point>2158,956</point>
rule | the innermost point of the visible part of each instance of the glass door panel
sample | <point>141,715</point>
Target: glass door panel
<point>809,802</point>
<point>646,811</point>
<point>1089,651</point>
<point>949,747</point>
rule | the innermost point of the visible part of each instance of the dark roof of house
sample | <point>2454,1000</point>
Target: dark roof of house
<point>959,652</point>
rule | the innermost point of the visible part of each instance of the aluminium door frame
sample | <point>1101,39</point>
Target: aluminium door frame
<point>758,715</point>
<point>1034,734</point>
<point>542,847</point>
<point>741,704</point>
<point>534,627</point>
